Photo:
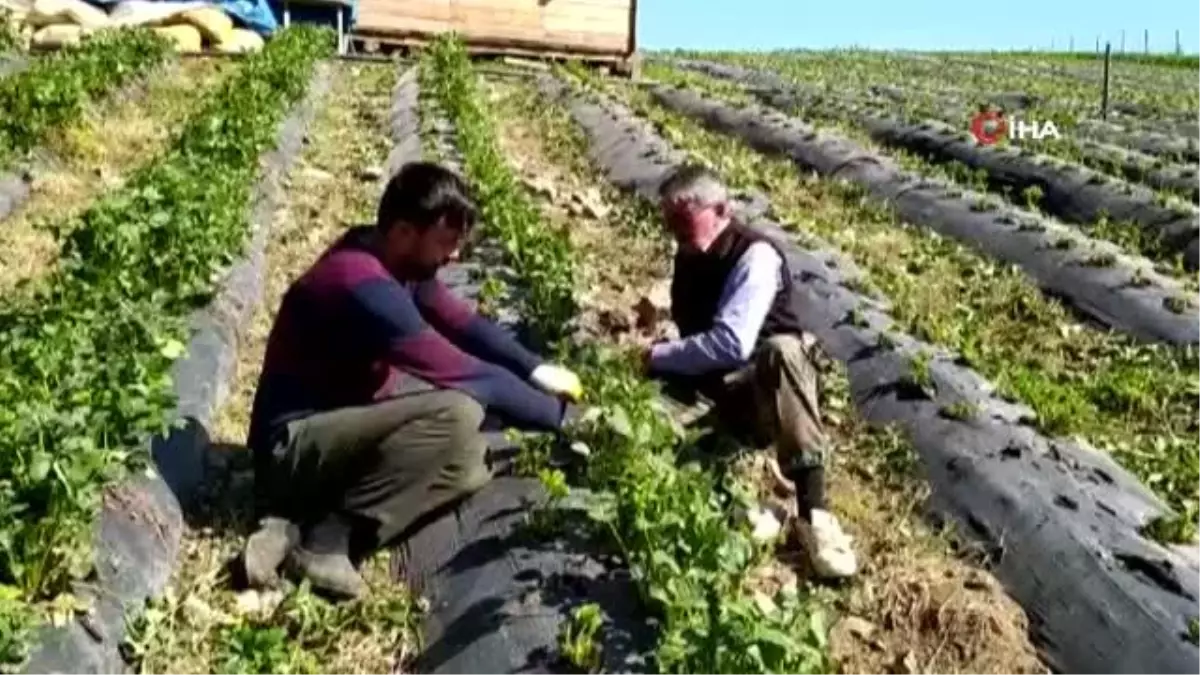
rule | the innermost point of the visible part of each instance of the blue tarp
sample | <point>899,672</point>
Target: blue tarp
<point>256,15</point>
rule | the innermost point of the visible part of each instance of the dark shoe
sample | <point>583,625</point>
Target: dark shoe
<point>267,548</point>
<point>324,559</point>
<point>329,572</point>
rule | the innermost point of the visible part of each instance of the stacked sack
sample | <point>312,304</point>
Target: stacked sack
<point>51,24</point>
<point>190,26</point>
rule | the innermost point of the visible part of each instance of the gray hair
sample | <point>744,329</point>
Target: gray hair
<point>694,183</point>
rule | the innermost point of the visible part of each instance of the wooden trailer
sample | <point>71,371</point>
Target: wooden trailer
<point>596,31</point>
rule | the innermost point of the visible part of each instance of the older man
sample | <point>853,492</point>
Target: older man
<point>338,445</point>
<point>740,344</point>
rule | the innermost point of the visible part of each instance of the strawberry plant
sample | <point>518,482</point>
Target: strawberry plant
<point>85,363</point>
<point>10,38</point>
<point>57,88</point>
<point>544,256</point>
<point>672,524</point>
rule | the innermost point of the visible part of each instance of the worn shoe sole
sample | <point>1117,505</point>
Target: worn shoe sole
<point>266,549</point>
<point>327,572</point>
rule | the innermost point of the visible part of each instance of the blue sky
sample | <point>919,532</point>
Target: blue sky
<point>915,24</point>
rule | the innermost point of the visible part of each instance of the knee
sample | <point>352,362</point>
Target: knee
<point>467,455</point>
<point>466,468</point>
<point>786,348</point>
<point>461,414</point>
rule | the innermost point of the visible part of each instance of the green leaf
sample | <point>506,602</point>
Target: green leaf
<point>173,349</point>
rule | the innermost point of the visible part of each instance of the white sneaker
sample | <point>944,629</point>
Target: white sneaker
<point>827,545</point>
<point>764,523</point>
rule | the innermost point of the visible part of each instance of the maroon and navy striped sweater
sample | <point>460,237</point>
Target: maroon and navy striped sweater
<point>347,330</point>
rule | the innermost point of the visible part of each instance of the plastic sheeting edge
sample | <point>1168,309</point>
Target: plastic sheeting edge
<point>1096,277</point>
<point>497,597</point>
<point>1070,191</point>
<point>140,526</point>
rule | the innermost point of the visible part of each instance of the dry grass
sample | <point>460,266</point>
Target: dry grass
<point>917,605</point>
<point>205,624</point>
<point>95,155</point>
<point>328,194</point>
<point>922,602</point>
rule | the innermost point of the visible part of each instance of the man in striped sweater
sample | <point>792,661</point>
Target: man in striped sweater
<point>336,444</point>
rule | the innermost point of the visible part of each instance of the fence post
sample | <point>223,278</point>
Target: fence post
<point>1104,95</point>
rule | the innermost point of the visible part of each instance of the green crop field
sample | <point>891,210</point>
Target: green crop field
<point>1008,335</point>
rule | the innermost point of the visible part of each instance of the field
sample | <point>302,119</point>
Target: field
<point>1008,336</point>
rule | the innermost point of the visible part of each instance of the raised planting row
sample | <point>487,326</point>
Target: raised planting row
<point>1070,192</point>
<point>1115,160</point>
<point>1169,147</point>
<point>543,258</point>
<point>89,373</point>
<point>1127,124</point>
<point>404,125</point>
<point>1095,277</point>
<point>205,620</point>
<point>1054,96</point>
<point>1137,167</point>
<point>1060,520</point>
<point>47,93</point>
<point>845,91</point>
<point>910,568</point>
<point>687,554</point>
<point>470,555</point>
<point>1128,235</point>
<point>485,552</point>
<point>1136,401</point>
<point>919,109</point>
<point>845,100</point>
<point>1140,95</point>
<point>1142,101</point>
<point>93,155</point>
<point>1088,137</point>
<point>56,88</point>
<point>1070,109</point>
<point>885,79</point>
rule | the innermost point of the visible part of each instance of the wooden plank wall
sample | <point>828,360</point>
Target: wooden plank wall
<point>589,26</point>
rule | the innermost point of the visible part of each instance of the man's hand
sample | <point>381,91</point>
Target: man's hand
<point>568,448</point>
<point>558,381</point>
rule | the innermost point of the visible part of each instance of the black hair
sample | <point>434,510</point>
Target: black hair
<point>421,193</point>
